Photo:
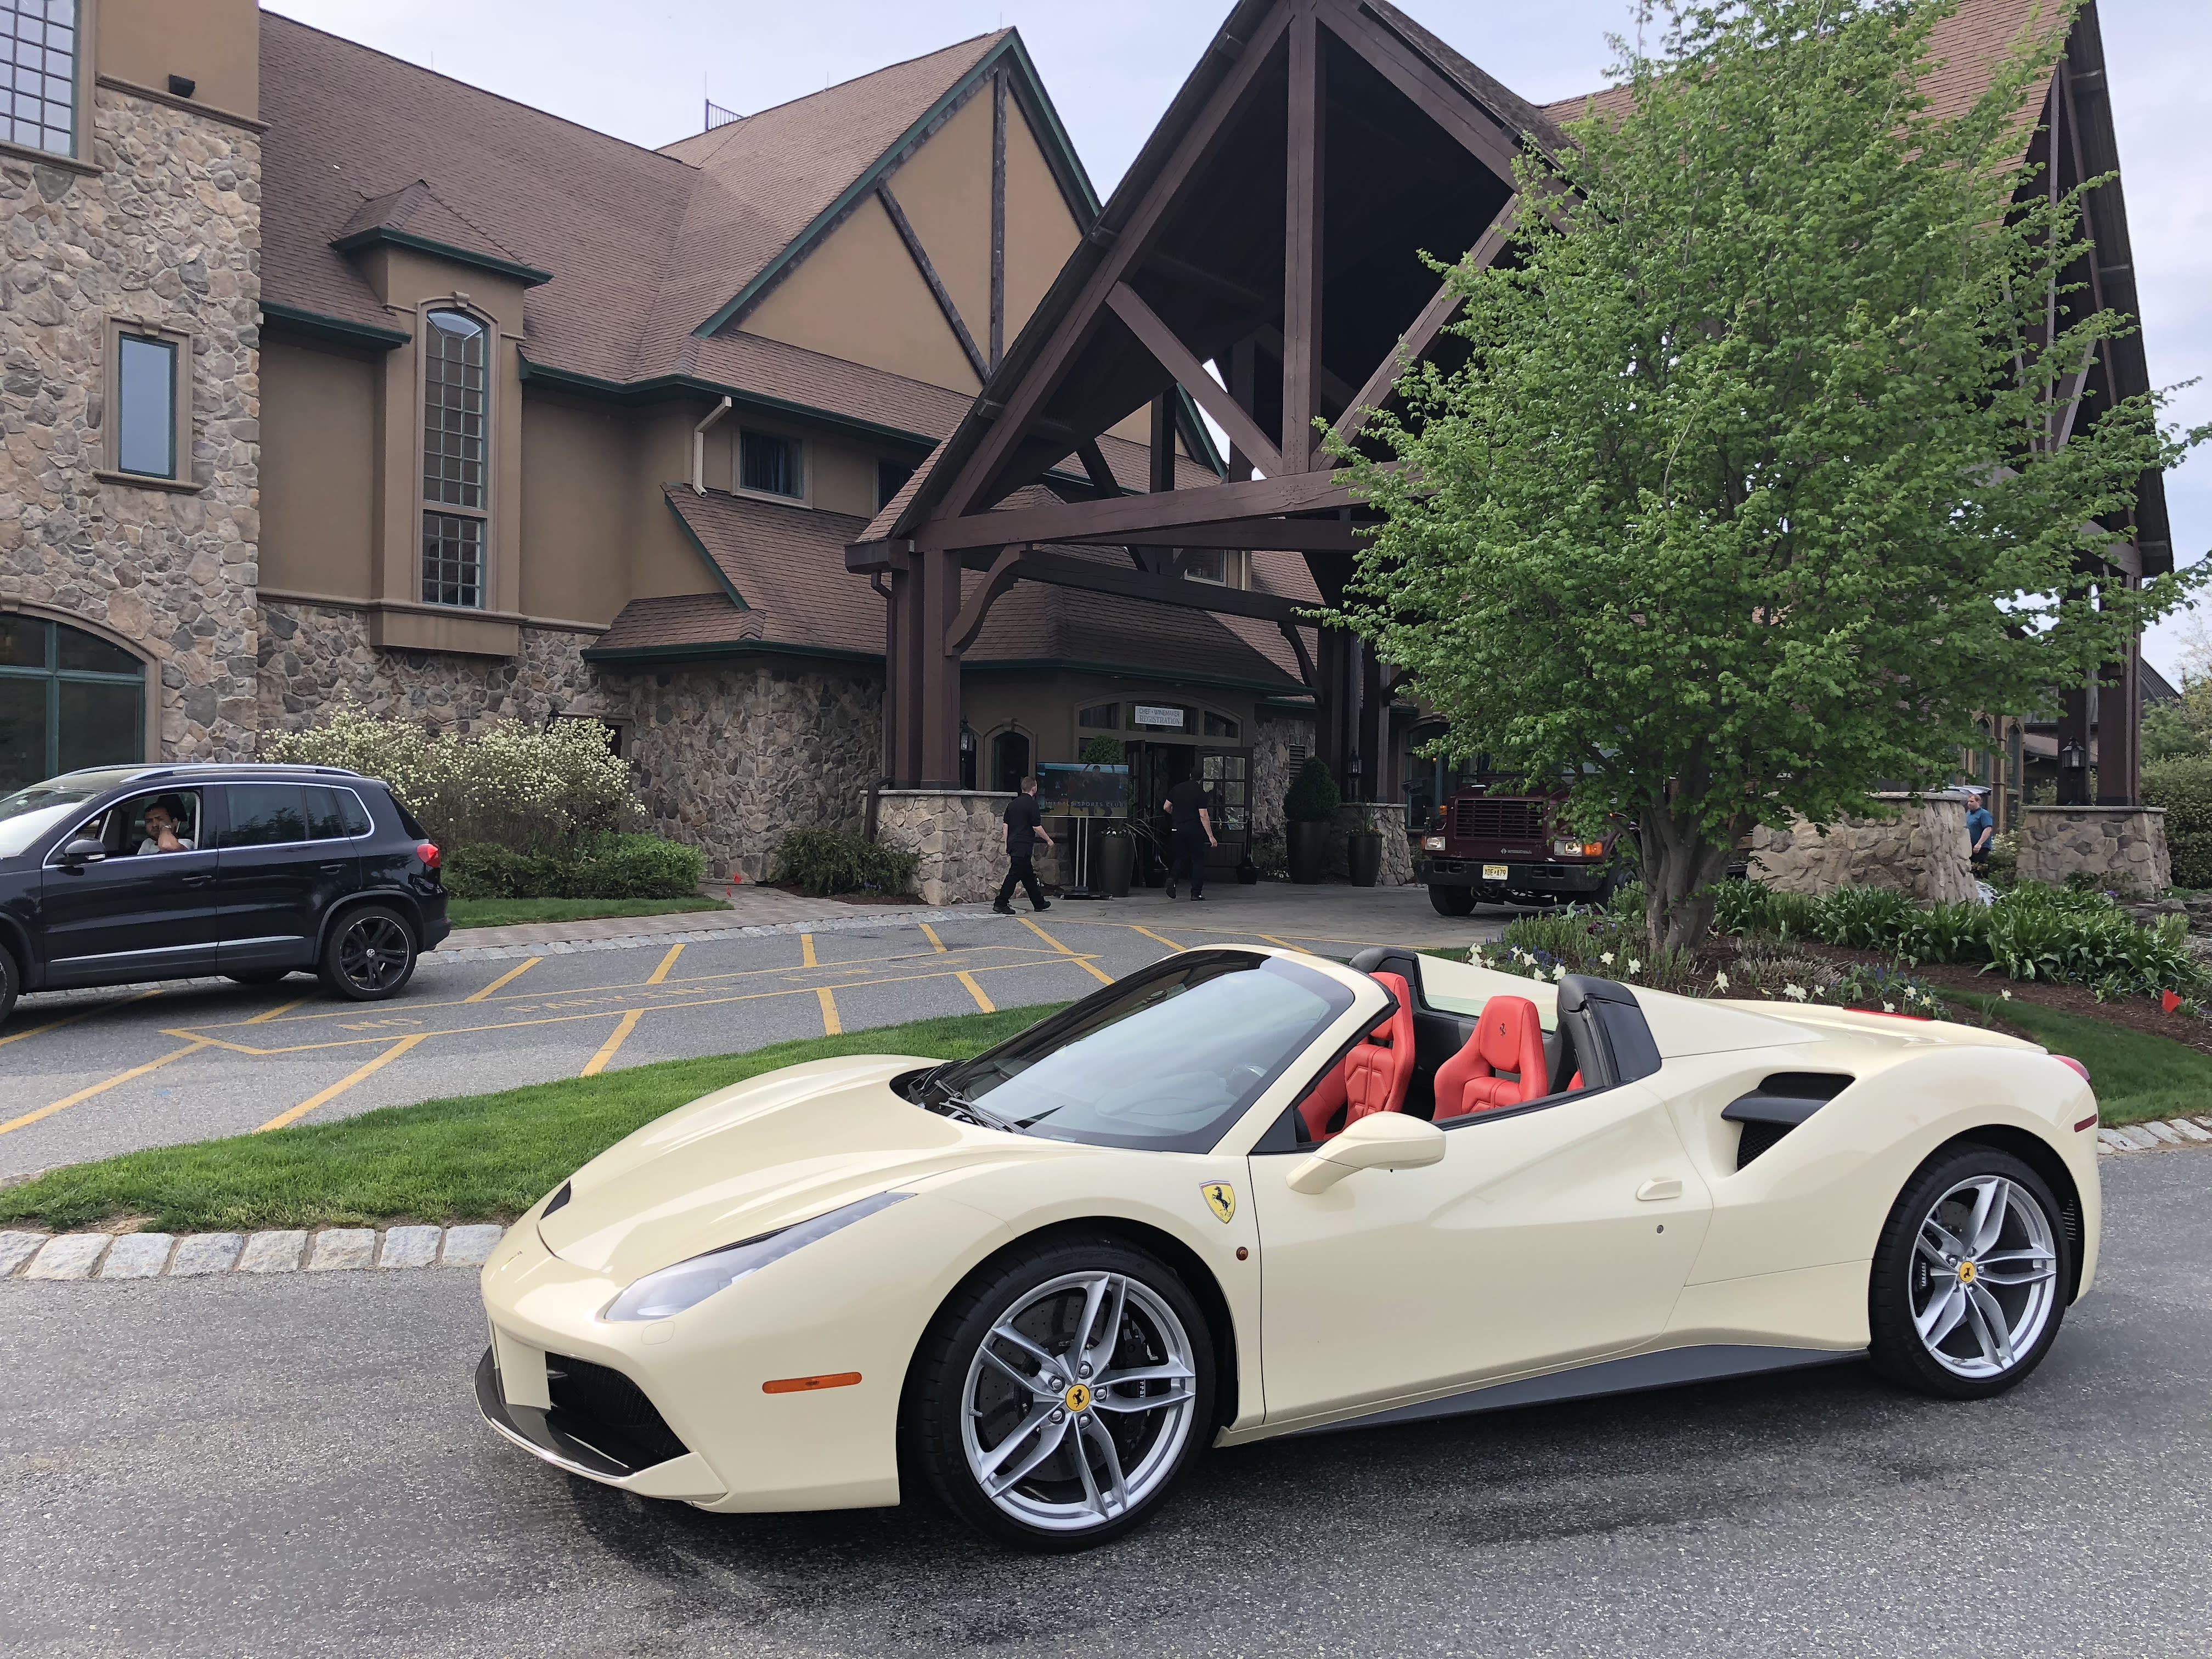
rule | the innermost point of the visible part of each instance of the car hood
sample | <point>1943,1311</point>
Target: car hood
<point>761,1155</point>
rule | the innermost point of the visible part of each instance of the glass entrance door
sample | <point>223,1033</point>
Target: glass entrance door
<point>1226,773</point>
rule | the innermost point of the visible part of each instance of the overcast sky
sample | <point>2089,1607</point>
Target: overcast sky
<point>641,69</point>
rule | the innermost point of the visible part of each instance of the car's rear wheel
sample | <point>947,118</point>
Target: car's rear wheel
<point>369,955</point>
<point>1970,1278</point>
<point>1452,901</point>
<point>1060,1394</point>
<point>10,982</point>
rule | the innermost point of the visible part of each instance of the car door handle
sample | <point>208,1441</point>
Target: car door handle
<point>1659,1188</point>
<point>332,869</point>
<point>198,880</point>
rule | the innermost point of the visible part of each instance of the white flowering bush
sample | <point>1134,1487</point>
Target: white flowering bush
<point>553,790</point>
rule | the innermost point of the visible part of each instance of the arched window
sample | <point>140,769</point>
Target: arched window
<point>456,444</point>
<point>67,699</point>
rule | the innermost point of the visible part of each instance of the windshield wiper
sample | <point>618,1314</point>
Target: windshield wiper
<point>953,1104</point>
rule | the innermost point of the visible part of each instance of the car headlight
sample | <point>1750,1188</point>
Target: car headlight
<point>687,1284</point>
<point>1433,843</point>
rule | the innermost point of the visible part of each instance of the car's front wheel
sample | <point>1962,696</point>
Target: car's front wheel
<point>9,984</point>
<point>1060,1394</point>
<point>369,955</point>
<point>1970,1278</point>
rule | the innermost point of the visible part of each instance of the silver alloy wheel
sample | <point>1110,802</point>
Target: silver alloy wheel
<point>1984,1276</point>
<point>373,953</point>
<point>1079,1401</point>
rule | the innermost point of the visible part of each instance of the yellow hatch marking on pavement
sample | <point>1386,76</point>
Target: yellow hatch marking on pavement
<point>930,933</point>
<point>82,1013</point>
<point>1283,943</point>
<point>343,1084</point>
<point>976,992</point>
<point>506,978</point>
<point>68,1101</point>
<point>612,1046</point>
<point>281,1008</point>
<point>1089,967</point>
<point>831,1025</point>
<point>807,952</point>
<point>1149,934</point>
<point>659,974</point>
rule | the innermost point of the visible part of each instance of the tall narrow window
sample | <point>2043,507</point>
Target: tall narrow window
<point>38,57</point>
<point>456,441</point>
<point>769,465</point>
<point>146,405</point>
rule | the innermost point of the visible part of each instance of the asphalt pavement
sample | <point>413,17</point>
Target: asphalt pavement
<point>279,1467</point>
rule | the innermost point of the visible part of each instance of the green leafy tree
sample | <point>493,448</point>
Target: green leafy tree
<point>1741,500</point>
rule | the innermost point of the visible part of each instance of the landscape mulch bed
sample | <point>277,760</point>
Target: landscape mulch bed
<point>2133,1013</point>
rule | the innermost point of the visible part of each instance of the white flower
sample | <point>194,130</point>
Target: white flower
<point>1559,970</point>
<point>1889,1007</point>
<point>1634,965</point>
<point>1605,956</point>
<point>1720,981</point>
<point>2007,995</point>
<point>1795,993</point>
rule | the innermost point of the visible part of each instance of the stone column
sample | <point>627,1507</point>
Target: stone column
<point>1385,816</point>
<point>955,836</point>
<point>2122,847</point>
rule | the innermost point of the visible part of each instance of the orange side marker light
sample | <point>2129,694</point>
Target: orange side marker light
<point>809,1384</point>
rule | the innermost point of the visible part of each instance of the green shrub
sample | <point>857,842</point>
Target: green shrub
<point>1313,797</point>
<point>553,790</point>
<point>1945,933</point>
<point>830,861</point>
<point>2183,789</point>
<point>1628,901</point>
<point>1863,918</point>
<point>611,868</point>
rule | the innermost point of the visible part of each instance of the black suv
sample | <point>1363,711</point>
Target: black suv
<point>122,873</point>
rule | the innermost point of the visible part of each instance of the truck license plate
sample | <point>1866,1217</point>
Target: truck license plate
<point>1493,872</point>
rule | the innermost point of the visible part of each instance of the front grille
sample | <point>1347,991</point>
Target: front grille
<point>1497,820</point>
<point>607,1412</point>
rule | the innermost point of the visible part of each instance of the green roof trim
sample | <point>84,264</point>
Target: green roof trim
<point>661,386</point>
<point>721,577</point>
<point>721,651</point>
<point>1060,155</point>
<point>295,321</point>
<point>528,276</point>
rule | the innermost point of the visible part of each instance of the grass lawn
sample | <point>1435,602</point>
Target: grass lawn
<point>475,1158</point>
<point>505,912</point>
<point>2136,1076</point>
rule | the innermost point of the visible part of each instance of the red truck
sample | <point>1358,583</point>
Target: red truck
<point>1487,847</point>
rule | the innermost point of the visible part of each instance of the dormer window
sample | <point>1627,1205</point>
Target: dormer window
<point>770,466</point>
<point>456,444</point>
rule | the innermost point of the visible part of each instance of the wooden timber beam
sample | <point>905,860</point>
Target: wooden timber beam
<point>1270,535</point>
<point>1183,274</point>
<point>1298,640</point>
<point>1091,576</point>
<point>1434,315</point>
<point>1424,85</point>
<point>1222,503</point>
<point>920,255</point>
<point>1190,375</point>
<point>998,215</point>
<point>1005,571</point>
<point>1094,466</point>
<point>1304,169</point>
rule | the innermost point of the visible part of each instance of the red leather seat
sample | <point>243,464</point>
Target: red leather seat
<point>1375,1076</point>
<point>1508,1038</point>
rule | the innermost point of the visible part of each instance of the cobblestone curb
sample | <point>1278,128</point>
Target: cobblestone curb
<point>194,1255</point>
<point>2154,1137</point>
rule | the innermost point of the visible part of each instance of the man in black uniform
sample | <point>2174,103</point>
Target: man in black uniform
<point>1024,829</point>
<point>1190,832</point>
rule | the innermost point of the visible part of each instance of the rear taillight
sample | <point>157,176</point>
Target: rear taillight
<point>2068,1060</point>
<point>428,852</point>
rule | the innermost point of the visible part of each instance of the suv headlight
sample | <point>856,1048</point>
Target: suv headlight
<point>687,1284</point>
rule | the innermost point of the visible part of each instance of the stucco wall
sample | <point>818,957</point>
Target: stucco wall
<point>167,234</point>
<point>319,468</point>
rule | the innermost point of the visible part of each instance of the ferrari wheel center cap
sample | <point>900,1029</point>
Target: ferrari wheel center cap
<point>1078,1397</point>
<point>1966,1271</point>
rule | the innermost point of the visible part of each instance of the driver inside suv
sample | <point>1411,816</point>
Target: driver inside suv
<point>164,823</point>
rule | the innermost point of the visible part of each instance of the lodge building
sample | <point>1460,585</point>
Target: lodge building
<point>326,376</point>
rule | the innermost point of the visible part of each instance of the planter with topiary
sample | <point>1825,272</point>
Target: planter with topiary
<point>1308,812</point>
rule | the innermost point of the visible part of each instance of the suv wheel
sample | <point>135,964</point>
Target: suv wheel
<point>10,982</point>
<point>369,955</point>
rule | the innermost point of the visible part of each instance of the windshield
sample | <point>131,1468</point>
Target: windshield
<point>1164,1061</point>
<point>29,813</point>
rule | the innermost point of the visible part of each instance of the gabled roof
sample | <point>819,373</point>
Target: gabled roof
<point>415,215</point>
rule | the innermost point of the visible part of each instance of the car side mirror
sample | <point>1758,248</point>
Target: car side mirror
<point>83,850</point>
<point>1381,1141</point>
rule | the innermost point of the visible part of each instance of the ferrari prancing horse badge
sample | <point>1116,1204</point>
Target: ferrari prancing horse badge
<point>1221,1199</point>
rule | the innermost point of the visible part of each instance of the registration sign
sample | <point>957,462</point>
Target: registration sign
<point>1153,715</point>
<point>1493,872</point>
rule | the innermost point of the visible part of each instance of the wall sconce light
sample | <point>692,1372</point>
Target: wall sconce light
<point>967,738</point>
<point>2073,757</point>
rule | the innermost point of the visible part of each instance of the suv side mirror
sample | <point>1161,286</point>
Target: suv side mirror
<point>1381,1141</point>
<point>85,850</point>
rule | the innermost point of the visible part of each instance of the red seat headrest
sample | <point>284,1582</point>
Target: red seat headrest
<point>1509,1036</point>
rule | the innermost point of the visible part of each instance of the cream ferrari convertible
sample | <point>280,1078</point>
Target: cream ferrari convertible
<point>1248,1193</point>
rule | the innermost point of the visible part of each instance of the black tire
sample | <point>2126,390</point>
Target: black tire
<point>1904,1274</point>
<point>938,1423</point>
<point>1452,901</point>
<point>11,982</point>
<point>368,956</point>
<point>260,976</point>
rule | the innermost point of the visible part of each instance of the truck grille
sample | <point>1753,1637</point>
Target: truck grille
<point>1497,820</point>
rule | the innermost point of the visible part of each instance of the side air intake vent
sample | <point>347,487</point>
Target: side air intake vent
<point>1781,1103</point>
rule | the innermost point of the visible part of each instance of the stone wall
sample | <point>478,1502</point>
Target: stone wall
<point>1921,850</point>
<point>957,835</point>
<point>730,758</point>
<point>167,233</point>
<point>2122,847</point>
<point>1389,817</point>
<point>1274,736</point>
<point>314,656</point>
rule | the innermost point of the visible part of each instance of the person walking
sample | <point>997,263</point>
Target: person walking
<point>1024,829</point>
<point>1190,833</point>
<point>1981,829</point>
